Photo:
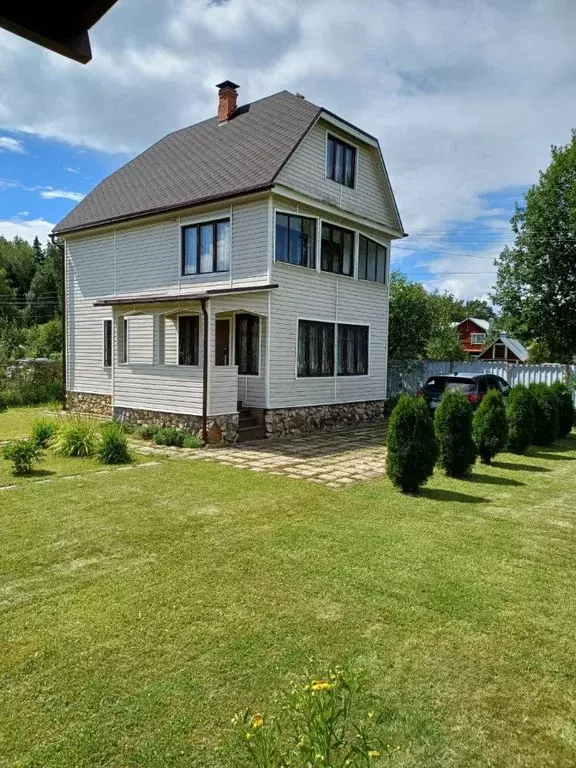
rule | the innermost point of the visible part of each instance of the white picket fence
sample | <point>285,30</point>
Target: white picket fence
<point>411,376</point>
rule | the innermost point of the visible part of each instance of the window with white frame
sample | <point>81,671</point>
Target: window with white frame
<point>123,340</point>
<point>372,257</point>
<point>340,161</point>
<point>337,250</point>
<point>296,240</point>
<point>206,247</point>
<point>107,344</point>
<point>352,350</point>
<point>477,338</point>
<point>188,339</point>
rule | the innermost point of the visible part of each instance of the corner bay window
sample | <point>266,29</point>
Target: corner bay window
<point>107,344</point>
<point>340,161</point>
<point>371,260</point>
<point>247,344</point>
<point>188,339</point>
<point>206,247</point>
<point>352,350</point>
<point>317,349</point>
<point>337,250</point>
<point>296,240</point>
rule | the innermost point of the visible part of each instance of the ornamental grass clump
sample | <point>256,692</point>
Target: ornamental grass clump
<point>113,445</point>
<point>565,408</point>
<point>545,413</point>
<point>489,426</point>
<point>318,723</point>
<point>412,449</point>
<point>76,436</point>
<point>43,430</point>
<point>170,436</point>
<point>23,454</point>
<point>453,427</point>
<point>520,407</point>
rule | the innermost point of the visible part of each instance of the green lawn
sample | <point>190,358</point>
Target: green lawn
<point>142,609</point>
<point>17,422</point>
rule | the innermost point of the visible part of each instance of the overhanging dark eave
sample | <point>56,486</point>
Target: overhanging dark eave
<point>170,298</point>
<point>162,209</point>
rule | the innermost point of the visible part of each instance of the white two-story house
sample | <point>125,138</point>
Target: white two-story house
<point>233,278</point>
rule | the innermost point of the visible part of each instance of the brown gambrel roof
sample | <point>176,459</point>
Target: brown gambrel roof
<point>204,162</point>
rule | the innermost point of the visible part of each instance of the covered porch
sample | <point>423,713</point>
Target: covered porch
<point>192,360</point>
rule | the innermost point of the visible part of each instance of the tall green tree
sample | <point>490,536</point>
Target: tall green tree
<point>536,278</point>
<point>44,299</point>
<point>17,259</point>
<point>411,319</point>
<point>38,252</point>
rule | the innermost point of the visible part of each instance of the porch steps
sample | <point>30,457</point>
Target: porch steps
<point>250,426</point>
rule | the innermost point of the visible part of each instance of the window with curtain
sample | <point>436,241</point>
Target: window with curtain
<point>107,344</point>
<point>315,348</point>
<point>352,350</point>
<point>247,346</point>
<point>372,259</point>
<point>188,339</point>
<point>296,240</point>
<point>340,161</point>
<point>206,247</point>
<point>337,250</point>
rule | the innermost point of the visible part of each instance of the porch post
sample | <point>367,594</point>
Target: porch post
<point>206,331</point>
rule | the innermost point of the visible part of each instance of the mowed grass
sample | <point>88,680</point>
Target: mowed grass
<point>142,609</point>
<point>17,422</point>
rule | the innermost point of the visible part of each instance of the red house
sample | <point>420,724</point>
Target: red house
<point>472,333</point>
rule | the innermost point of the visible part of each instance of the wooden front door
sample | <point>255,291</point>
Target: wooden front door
<point>222,345</point>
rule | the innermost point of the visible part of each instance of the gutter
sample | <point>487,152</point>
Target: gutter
<point>62,248</point>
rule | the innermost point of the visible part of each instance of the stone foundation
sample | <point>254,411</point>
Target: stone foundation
<point>282,422</point>
<point>87,402</point>
<point>221,429</point>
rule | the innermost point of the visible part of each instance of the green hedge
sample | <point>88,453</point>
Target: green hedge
<point>412,449</point>
<point>453,426</point>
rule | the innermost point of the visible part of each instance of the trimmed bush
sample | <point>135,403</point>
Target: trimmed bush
<point>412,449</point>
<point>490,426</point>
<point>23,454</point>
<point>520,412</point>
<point>43,430</point>
<point>545,414</point>
<point>76,437</point>
<point>113,446</point>
<point>565,408</point>
<point>453,427</point>
<point>170,436</point>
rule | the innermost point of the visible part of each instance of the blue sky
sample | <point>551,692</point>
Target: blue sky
<point>466,97</point>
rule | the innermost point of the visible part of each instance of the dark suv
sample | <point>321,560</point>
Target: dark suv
<point>472,385</point>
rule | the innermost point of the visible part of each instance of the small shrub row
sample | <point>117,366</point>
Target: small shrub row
<point>169,436</point>
<point>535,415</point>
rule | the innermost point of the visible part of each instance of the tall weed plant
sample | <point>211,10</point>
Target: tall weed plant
<point>76,436</point>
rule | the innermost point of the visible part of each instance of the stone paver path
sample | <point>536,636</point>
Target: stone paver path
<point>335,459</point>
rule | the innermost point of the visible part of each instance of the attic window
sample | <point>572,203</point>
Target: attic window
<point>340,162</point>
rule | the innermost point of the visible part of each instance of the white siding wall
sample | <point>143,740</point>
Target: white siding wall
<point>147,259</point>
<point>306,172</point>
<point>172,389</point>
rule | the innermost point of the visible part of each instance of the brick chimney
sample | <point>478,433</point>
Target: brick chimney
<point>227,95</point>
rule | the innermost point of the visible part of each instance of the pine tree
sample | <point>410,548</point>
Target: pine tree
<point>453,426</point>
<point>490,427</point>
<point>520,411</point>
<point>412,449</point>
<point>38,252</point>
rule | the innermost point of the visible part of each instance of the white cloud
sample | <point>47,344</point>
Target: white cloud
<point>12,145</point>
<point>71,170</point>
<point>28,229</point>
<point>53,194</point>
<point>466,96</point>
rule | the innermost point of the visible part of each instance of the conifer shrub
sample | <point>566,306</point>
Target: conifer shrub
<point>545,413</point>
<point>412,450</point>
<point>490,426</point>
<point>520,412</point>
<point>565,408</point>
<point>453,427</point>
<point>113,446</point>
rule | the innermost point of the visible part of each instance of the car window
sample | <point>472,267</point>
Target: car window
<point>504,386</point>
<point>483,385</point>
<point>461,385</point>
<point>493,382</point>
<point>435,384</point>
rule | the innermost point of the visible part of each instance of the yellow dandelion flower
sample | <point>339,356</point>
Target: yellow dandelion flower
<point>257,721</point>
<point>321,685</point>
<point>373,753</point>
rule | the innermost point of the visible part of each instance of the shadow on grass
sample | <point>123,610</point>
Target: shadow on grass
<point>490,480</point>
<point>37,473</point>
<point>439,494</point>
<point>551,454</point>
<point>519,467</point>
